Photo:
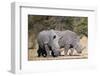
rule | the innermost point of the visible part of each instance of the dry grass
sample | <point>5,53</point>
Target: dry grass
<point>32,53</point>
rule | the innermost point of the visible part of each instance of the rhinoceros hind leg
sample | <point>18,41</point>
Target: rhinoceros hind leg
<point>71,52</point>
<point>39,52</point>
<point>66,49</point>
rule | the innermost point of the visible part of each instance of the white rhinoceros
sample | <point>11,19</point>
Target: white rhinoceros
<point>48,41</point>
<point>69,40</point>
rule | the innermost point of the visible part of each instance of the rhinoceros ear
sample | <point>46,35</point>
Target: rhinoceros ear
<point>54,36</point>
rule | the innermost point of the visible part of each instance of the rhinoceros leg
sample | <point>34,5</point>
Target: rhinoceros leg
<point>71,52</point>
<point>41,52</point>
<point>66,49</point>
<point>47,49</point>
<point>44,53</point>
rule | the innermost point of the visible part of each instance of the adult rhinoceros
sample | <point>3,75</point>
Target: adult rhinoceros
<point>48,41</point>
<point>69,40</point>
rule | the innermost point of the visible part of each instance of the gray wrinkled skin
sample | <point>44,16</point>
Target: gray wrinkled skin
<point>64,39</point>
<point>69,40</point>
<point>49,39</point>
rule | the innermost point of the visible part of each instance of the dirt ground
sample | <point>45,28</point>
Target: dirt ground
<point>32,53</point>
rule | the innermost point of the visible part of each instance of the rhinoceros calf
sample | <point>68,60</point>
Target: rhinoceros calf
<point>48,41</point>
<point>69,40</point>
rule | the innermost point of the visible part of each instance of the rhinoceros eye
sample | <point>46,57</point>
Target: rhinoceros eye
<point>54,36</point>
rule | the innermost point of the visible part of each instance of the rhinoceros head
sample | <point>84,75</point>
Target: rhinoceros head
<point>54,39</point>
<point>79,48</point>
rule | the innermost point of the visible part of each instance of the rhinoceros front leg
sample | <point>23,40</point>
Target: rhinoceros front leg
<point>47,49</point>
